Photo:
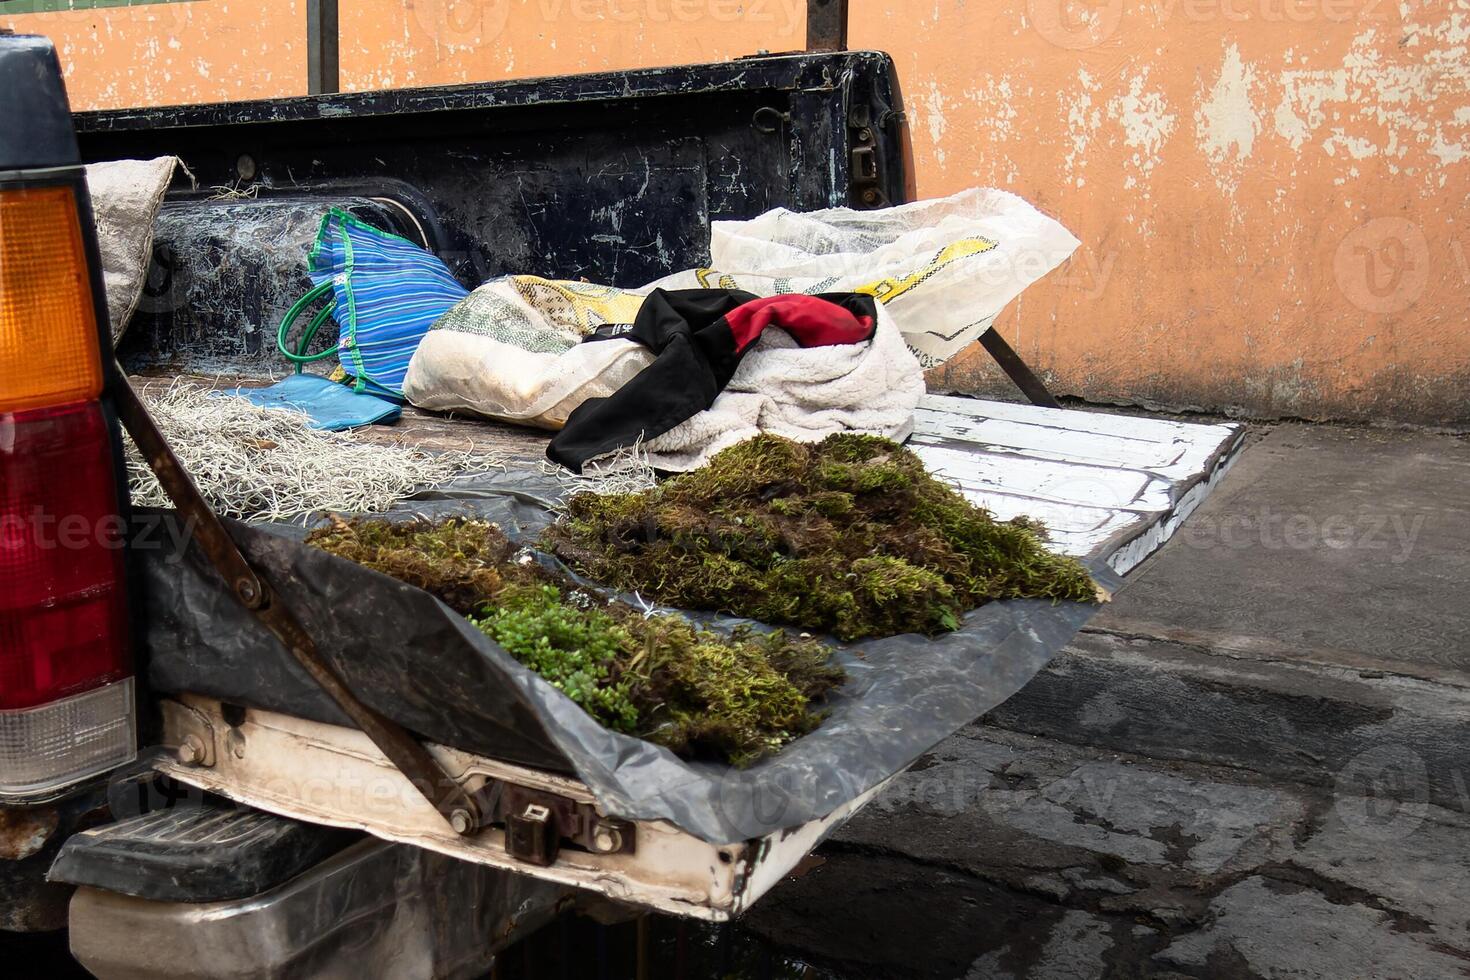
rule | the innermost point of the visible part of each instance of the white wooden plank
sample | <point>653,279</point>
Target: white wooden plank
<point>1045,434</point>
<point>1091,478</point>
<point>1047,443</point>
<point>1153,536</point>
<point>1062,518</point>
<point>1103,423</point>
<point>1048,480</point>
<point>1071,530</point>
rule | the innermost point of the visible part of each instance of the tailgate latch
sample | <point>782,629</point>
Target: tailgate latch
<point>537,823</point>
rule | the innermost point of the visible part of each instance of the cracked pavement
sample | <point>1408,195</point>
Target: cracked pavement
<point>1070,862</point>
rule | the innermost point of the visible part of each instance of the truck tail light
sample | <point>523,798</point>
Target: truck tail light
<point>67,705</point>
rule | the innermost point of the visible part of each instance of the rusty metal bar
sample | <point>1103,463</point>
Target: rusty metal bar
<point>257,594</point>
<point>323,42</point>
<point>826,25</point>
<point>1016,369</point>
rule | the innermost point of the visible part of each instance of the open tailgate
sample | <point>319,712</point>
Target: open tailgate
<point>1112,488</point>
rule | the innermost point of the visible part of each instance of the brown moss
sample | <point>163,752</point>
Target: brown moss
<point>850,536</point>
<point>458,561</point>
<point>739,698</point>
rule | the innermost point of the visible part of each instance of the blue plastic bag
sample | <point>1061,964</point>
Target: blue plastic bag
<point>386,293</point>
<point>329,405</point>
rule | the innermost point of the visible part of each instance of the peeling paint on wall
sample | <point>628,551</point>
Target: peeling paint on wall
<point>1270,195</point>
<point>1377,104</point>
<point>1147,123</point>
<point>1226,122</point>
<point>1084,119</point>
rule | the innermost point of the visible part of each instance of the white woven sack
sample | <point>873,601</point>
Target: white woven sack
<point>512,350</point>
<point>126,196</point>
<point>943,268</point>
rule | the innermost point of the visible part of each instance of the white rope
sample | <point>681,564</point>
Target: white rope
<point>623,471</point>
<point>265,464</point>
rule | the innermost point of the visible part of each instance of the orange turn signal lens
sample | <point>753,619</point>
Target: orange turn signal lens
<point>48,330</point>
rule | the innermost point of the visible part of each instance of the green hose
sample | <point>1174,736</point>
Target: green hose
<point>299,356</point>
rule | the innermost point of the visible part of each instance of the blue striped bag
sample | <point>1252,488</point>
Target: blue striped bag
<point>386,293</point>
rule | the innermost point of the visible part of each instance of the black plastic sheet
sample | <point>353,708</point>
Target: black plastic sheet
<point>413,659</point>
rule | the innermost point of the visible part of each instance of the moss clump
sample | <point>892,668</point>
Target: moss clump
<point>739,697</point>
<point>458,561</point>
<point>851,536</point>
<point>701,694</point>
<point>576,651</point>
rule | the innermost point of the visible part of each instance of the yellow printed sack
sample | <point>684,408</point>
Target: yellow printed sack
<point>943,268</point>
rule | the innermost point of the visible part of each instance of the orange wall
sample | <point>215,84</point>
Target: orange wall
<point>1268,191</point>
<point>211,50</point>
<point>163,53</point>
<point>388,43</point>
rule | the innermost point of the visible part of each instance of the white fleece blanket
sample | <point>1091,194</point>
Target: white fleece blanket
<point>805,394</point>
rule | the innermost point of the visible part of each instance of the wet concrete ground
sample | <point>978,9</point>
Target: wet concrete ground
<point>1256,764</point>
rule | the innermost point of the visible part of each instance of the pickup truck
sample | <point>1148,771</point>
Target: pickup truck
<point>233,821</point>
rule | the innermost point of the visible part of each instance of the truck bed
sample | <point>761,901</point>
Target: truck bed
<point>1111,487</point>
<point>416,428</point>
<point>547,177</point>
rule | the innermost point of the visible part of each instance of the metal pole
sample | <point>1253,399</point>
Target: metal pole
<point>826,25</point>
<point>323,74</point>
<point>256,593</point>
<point>643,968</point>
<point>1017,370</point>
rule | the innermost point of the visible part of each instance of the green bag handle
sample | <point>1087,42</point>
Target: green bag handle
<point>299,356</point>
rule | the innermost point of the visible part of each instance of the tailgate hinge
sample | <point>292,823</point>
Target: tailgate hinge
<point>536,823</point>
<point>865,165</point>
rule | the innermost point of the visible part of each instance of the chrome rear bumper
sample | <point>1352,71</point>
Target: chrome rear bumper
<point>374,910</point>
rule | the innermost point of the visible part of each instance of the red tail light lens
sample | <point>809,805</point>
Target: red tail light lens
<point>63,614</point>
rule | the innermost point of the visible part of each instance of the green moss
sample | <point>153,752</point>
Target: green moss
<point>737,698</point>
<point>850,536</point>
<point>830,503</point>
<point>702,694</point>
<point>577,651</point>
<point>699,693</point>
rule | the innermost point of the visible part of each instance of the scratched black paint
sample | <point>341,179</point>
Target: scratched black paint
<point>613,177</point>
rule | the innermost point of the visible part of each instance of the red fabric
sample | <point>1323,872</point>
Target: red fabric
<point>813,321</point>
